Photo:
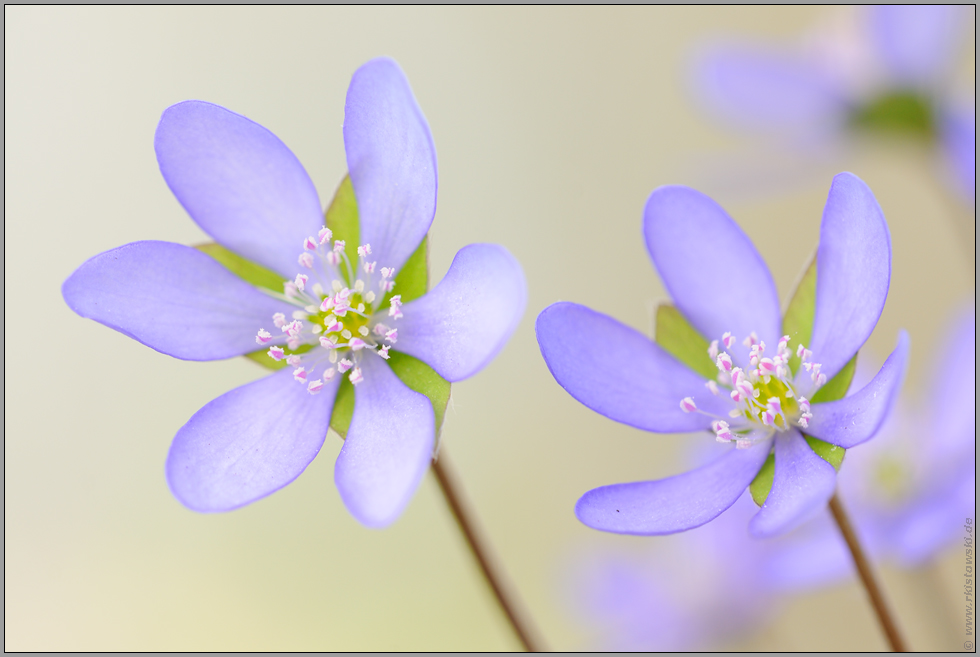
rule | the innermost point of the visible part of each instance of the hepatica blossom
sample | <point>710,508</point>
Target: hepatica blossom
<point>338,315</point>
<point>771,393</point>
<point>889,72</point>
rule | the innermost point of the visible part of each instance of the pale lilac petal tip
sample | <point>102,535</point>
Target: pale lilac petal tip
<point>675,504</point>
<point>918,43</point>
<point>248,443</point>
<point>388,447</point>
<point>461,325</point>
<point>712,270</point>
<point>769,90</point>
<point>616,371</point>
<point>172,298</point>
<point>802,485</point>
<point>392,161</point>
<point>239,182</point>
<point>853,273</point>
<point>856,418</point>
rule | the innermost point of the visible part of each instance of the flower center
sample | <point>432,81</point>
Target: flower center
<point>344,322</point>
<point>766,394</point>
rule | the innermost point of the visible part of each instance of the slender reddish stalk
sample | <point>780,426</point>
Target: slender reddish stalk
<point>464,518</point>
<point>885,617</point>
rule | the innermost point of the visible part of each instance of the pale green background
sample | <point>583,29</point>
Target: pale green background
<point>552,126</point>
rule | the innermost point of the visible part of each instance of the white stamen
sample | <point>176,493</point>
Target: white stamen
<point>713,350</point>
<point>300,281</point>
<point>712,386</point>
<point>688,405</point>
<point>306,260</point>
<point>279,320</point>
<point>363,331</point>
<point>356,344</point>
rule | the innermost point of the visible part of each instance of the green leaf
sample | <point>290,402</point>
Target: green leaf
<point>762,484</point>
<point>798,320</point>
<point>342,220</point>
<point>832,454</point>
<point>246,269</point>
<point>837,387</point>
<point>682,341</point>
<point>343,408</point>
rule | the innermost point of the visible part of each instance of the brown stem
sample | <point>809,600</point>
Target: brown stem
<point>452,492</point>
<point>885,617</point>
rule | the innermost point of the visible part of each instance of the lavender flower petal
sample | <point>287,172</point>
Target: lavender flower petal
<point>248,443</point>
<point>172,298</point>
<point>953,391</point>
<point>665,506</point>
<point>958,135</point>
<point>856,418</point>
<point>392,162</point>
<point>388,447</point>
<point>770,90</point>
<point>616,371</point>
<point>463,323</point>
<point>853,272</point>
<point>917,43</point>
<point>239,182</point>
<point>802,485</point>
<point>710,267</point>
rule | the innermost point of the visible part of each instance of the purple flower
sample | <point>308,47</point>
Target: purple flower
<point>910,489</point>
<point>746,386</point>
<point>890,73</point>
<point>341,318</point>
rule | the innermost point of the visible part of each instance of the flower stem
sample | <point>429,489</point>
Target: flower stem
<point>888,624</point>
<point>478,545</point>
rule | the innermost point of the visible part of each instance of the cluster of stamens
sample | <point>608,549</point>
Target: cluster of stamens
<point>342,321</point>
<point>765,393</point>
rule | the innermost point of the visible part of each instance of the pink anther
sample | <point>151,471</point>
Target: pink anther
<point>688,405</point>
<point>392,335</point>
<point>356,376</point>
<point>380,329</point>
<point>712,386</point>
<point>276,353</point>
<point>713,350</point>
<point>339,246</point>
<point>301,279</point>
<point>334,326</point>
<point>326,305</point>
<point>724,362</point>
<point>329,374</point>
<point>356,344</point>
<point>279,320</point>
<point>743,444</point>
<point>315,386</point>
<point>293,342</point>
<point>294,360</point>
<point>804,404</point>
<point>751,340</point>
<point>344,365</point>
<point>309,244</point>
<point>299,374</point>
<point>263,336</point>
<point>722,432</point>
<point>326,342</point>
<point>306,260</point>
<point>364,250</point>
<point>383,352</point>
<point>333,258</point>
<point>369,267</point>
<point>396,304</point>
<point>324,235</point>
<point>727,339</point>
<point>387,272</point>
<point>290,289</point>
<point>767,367</point>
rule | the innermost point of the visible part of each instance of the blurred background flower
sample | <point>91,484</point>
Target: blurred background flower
<point>553,125</point>
<point>888,71</point>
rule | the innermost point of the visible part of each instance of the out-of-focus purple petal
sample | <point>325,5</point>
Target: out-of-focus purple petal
<point>953,390</point>
<point>802,485</point>
<point>853,272</point>
<point>710,267</point>
<point>464,322</point>
<point>388,446</point>
<point>675,504</point>
<point>172,298</point>
<point>958,133</point>
<point>856,418</point>
<point>814,555</point>
<point>248,443</point>
<point>917,43</point>
<point>239,182</point>
<point>767,89</point>
<point>618,372</point>
<point>392,161</point>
